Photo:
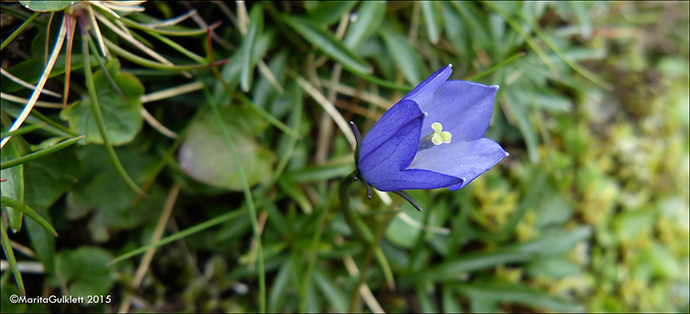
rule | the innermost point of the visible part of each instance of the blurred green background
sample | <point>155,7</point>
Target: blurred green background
<point>238,132</point>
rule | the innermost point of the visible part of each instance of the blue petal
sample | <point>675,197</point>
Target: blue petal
<point>390,147</point>
<point>427,87</point>
<point>460,159</point>
<point>388,128</point>
<point>463,108</point>
<point>411,179</point>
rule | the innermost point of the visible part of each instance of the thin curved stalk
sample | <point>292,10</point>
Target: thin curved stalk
<point>6,201</point>
<point>354,300</point>
<point>91,87</point>
<point>306,282</point>
<point>23,130</point>
<point>41,153</point>
<point>152,64</point>
<point>19,30</point>
<point>496,67</point>
<point>182,234</point>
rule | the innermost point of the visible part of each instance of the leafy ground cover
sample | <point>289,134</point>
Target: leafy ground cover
<point>196,157</point>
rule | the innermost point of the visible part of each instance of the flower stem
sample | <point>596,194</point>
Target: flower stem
<point>347,213</point>
<point>344,185</point>
<point>354,300</point>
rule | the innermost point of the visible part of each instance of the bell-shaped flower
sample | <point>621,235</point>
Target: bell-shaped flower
<point>432,138</point>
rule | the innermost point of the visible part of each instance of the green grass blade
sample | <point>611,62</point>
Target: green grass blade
<point>167,32</point>
<point>22,130</point>
<point>41,153</point>
<point>248,199</point>
<point>9,254</point>
<point>178,48</point>
<point>405,56</point>
<point>496,67</point>
<point>574,65</point>
<point>329,12</point>
<point>19,30</point>
<point>6,201</point>
<point>148,63</point>
<point>38,118</point>
<point>271,119</point>
<point>327,43</point>
<point>279,289</point>
<point>370,14</point>
<point>180,235</point>
<point>530,41</point>
<point>431,18</point>
<point>384,83</point>
<point>256,25</point>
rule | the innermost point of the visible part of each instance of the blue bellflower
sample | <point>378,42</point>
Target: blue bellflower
<point>432,138</point>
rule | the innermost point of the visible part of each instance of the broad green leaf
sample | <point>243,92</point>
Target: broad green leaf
<point>404,55</point>
<point>329,12</point>
<point>85,271</point>
<point>48,178</point>
<point>14,186</point>
<point>122,116</point>
<point>369,16</point>
<point>429,10</point>
<point>327,43</point>
<point>205,156</point>
<point>46,6</point>
<point>102,191</point>
<point>256,27</point>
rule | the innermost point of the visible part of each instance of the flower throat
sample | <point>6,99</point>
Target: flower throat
<point>435,138</point>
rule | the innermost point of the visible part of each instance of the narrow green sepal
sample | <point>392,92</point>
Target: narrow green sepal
<point>408,198</point>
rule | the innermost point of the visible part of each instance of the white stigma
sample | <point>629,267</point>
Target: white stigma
<point>436,138</point>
